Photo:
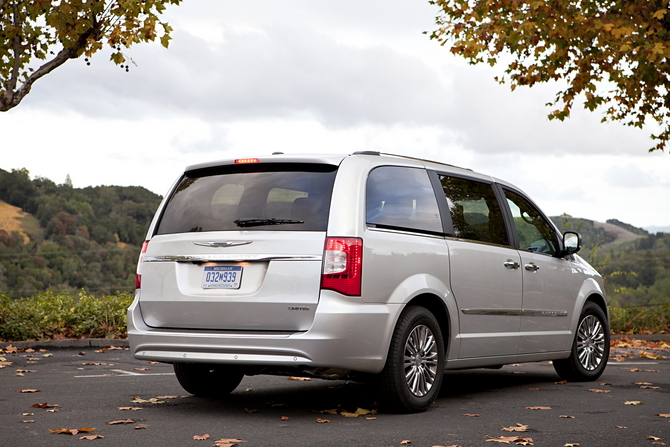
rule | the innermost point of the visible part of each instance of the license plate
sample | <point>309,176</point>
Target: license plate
<point>221,277</point>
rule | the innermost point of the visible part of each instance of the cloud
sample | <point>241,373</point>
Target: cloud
<point>629,176</point>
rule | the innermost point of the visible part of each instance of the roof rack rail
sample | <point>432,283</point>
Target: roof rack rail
<point>366,153</point>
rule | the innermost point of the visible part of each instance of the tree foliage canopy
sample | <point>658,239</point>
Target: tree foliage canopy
<point>613,54</point>
<point>38,36</point>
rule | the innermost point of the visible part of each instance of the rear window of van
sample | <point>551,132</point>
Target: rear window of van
<point>277,197</point>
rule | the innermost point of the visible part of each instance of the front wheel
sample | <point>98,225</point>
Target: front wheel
<point>412,376</point>
<point>590,348</point>
<point>208,380</point>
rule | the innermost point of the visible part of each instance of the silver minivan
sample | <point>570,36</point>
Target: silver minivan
<point>364,266</point>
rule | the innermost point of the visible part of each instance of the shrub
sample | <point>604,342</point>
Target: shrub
<point>51,315</point>
<point>640,320</point>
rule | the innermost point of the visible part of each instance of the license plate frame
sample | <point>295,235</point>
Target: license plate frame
<point>222,277</point>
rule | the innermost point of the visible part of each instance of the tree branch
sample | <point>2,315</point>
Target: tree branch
<point>11,98</point>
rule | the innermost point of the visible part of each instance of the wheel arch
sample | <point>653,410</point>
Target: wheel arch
<point>438,308</point>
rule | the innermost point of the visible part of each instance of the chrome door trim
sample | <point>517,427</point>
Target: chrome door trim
<point>509,312</point>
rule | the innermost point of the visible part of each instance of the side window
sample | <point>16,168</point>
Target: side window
<point>534,232</point>
<point>402,198</point>
<point>475,212</point>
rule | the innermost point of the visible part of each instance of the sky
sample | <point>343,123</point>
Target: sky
<point>246,78</point>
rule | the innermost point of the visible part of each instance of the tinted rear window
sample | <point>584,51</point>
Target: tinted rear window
<point>276,197</point>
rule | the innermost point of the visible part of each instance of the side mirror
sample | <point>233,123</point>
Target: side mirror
<point>572,242</point>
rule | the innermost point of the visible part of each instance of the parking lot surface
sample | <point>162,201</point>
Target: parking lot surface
<point>132,402</point>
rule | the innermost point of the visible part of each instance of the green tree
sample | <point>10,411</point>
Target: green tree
<point>611,53</point>
<point>38,36</point>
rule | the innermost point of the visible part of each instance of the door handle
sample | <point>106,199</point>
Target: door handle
<point>532,267</point>
<point>512,265</point>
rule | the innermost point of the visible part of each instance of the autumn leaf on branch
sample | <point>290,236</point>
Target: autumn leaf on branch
<point>612,55</point>
<point>39,36</point>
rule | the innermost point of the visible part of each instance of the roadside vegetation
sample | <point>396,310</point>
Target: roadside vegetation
<point>58,316</point>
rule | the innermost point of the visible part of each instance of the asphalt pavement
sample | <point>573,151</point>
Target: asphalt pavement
<point>132,402</point>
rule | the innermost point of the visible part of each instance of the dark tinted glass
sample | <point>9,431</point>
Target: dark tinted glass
<point>475,212</point>
<point>402,198</point>
<point>534,232</point>
<point>273,197</point>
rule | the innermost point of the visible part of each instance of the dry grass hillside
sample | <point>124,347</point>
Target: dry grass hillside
<point>12,218</point>
<point>622,235</point>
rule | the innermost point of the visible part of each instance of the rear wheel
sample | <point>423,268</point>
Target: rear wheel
<point>412,376</point>
<point>208,380</point>
<point>590,348</point>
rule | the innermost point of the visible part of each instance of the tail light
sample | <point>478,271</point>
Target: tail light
<point>138,274</point>
<point>342,265</point>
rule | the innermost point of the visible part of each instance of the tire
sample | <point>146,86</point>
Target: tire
<point>590,347</point>
<point>412,376</point>
<point>208,380</point>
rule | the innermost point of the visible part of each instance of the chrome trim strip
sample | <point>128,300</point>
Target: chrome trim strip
<point>218,244</point>
<point>504,312</point>
<point>545,313</point>
<point>513,312</point>
<point>229,258</point>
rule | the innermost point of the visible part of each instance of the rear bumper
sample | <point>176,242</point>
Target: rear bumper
<point>346,334</point>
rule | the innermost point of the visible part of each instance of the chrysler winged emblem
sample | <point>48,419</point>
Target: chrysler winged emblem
<point>222,243</point>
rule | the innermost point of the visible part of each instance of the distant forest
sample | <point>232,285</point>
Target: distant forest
<point>78,238</point>
<point>90,238</point>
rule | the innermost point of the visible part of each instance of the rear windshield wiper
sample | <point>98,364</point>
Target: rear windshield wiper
<point>258,222</point>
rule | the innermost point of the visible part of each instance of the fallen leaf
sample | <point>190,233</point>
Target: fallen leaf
<point>346,414</point>
<point>322,421</point>
<point>562,382</point>
<point>471,415</point>
<point>643,383</point>
<point>167,397</point>
<point>647,387</point>
<point>27,414</point>
<point>4,364</point>
<point>121,421</point>
<point>620,426</point>
<point>649,355</point>
<point>227,442</point>
<point>153,363</point>
<point>517,427</point>
<point>98,364</point>
<point>300,379</point>
<point>509,439</point>
<point>47,355</point>
<point>101,350</point>
<point>566,416</point>
<point>140,369</point>
<point>153,400</point>
<point>201,438</point>
<point>539,408</point>
<point>73,431</point>
<point>633,402</point>
<point>250,410</point>
<point>653,438</point>
<point>571,445</point>
<point>53,410</point>
<point>664,415</point>
<point>284,418</point>
<point>34,371</point>
<point>44,405</point>
<point>603,384</point>
<point>131,408</point>
<point>82,353</point>
<point>11,349</point>
<point>111,348</point>
<point>333,411</point>
<point>29,391</point>
<point>405,442</point>
<point>28,421</point>
<point>92,437</point>
<point>595,390</point>
<point>534,389</point>
<point>140,427</point>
